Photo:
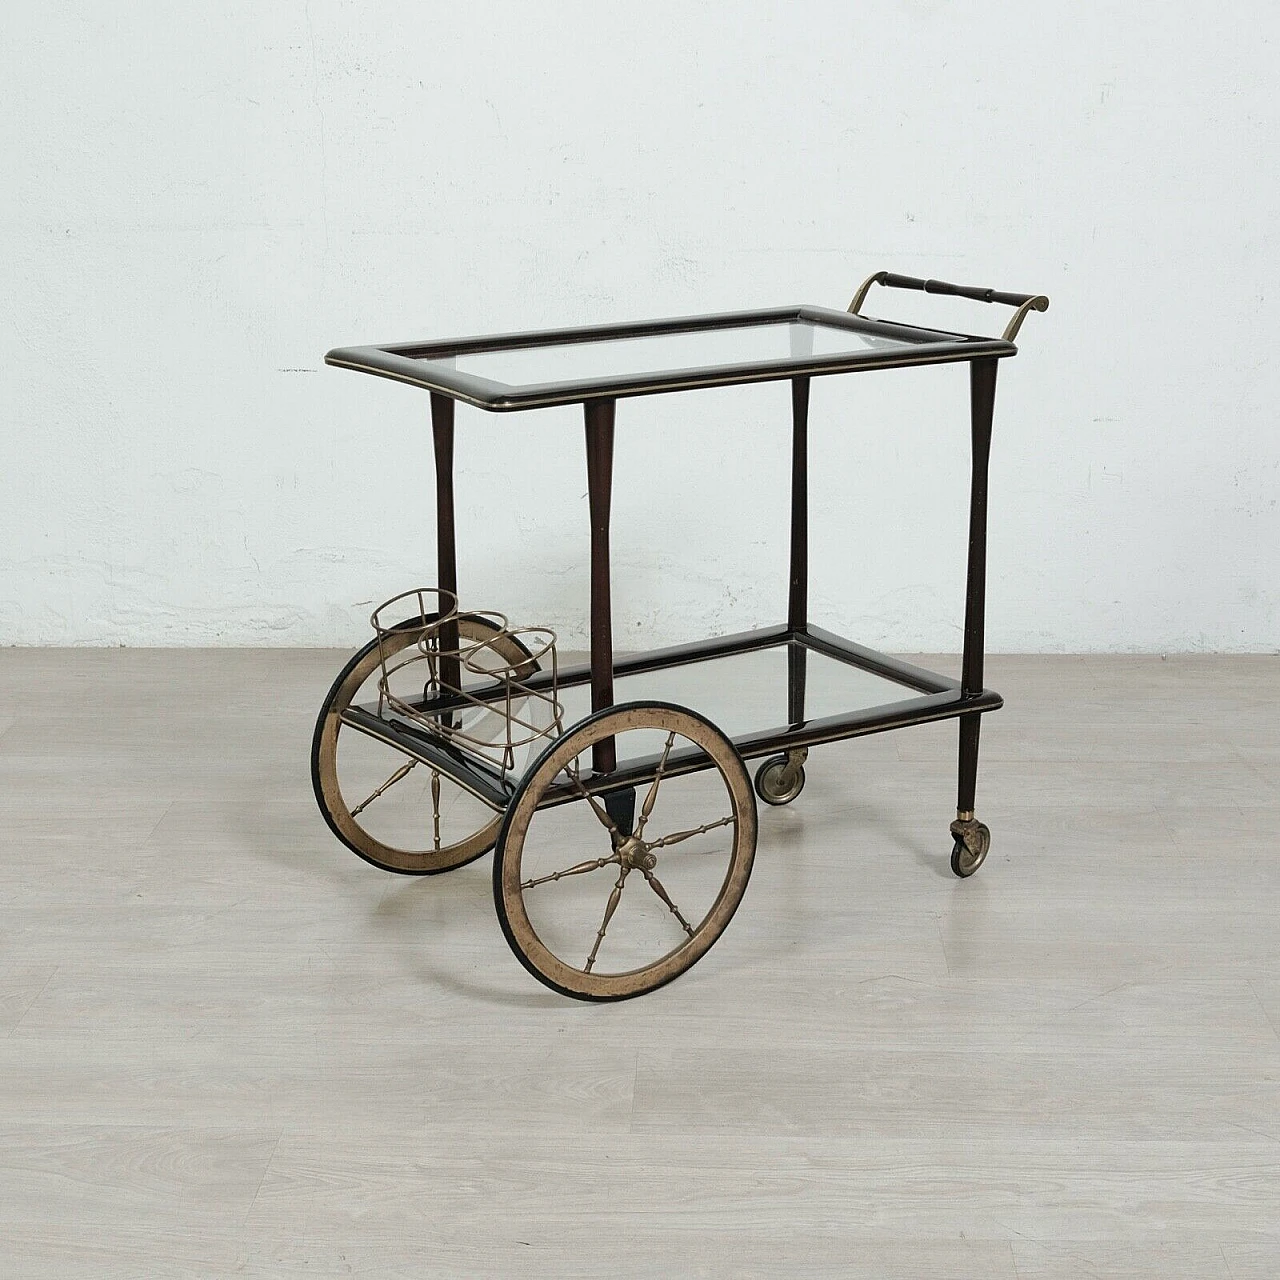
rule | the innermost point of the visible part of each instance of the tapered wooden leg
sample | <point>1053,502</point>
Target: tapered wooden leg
<point>599,415</point>
<point>442,410</point>
<point>970,727</point>
<point>982,397</point>
<point>442,438</point>
<point>798,595</point>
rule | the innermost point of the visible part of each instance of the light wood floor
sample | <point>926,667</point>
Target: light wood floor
<point>228,1047</point>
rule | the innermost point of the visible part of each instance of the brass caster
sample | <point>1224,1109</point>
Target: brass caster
<point>973,839</point>
<point>781,778</point>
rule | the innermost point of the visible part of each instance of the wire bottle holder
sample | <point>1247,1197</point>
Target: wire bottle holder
<point>476,693</point>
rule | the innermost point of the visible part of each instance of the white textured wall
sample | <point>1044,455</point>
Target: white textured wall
<point>199,200</point>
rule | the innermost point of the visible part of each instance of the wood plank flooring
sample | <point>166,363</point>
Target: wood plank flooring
<point>229,1047</point>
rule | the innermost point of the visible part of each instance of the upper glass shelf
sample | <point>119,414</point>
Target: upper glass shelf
<point>661,352</point>
<point>527,370</point>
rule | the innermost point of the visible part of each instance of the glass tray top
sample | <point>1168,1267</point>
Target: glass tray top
<point>659,352</point>
<point>527,370</point>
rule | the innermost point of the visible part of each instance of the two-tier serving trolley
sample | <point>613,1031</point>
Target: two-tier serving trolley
<point>624,830</point>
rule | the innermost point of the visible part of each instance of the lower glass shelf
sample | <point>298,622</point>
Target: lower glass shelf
<point>766,690</point>
<point>745,693</point>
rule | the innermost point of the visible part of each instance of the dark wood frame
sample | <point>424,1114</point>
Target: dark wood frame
<point>411,362</point>
<point>936,697</point>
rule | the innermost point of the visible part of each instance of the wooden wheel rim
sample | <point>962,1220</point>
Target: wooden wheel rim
<point>523,938</point>
<point>325,756</point>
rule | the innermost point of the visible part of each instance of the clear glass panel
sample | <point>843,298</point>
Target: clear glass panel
<point>740,694</point>
<point>745,693</point>
<point>664,352</point>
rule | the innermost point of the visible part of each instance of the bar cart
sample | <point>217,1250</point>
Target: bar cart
<point>624,831</point>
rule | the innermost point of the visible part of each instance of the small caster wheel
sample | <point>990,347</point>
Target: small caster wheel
<point>780,779</point>
<point>973,839</point>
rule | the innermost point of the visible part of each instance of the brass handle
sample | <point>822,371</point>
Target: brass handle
<point>1023,301</point>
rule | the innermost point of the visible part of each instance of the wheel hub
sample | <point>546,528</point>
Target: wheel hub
<point>637,855</point>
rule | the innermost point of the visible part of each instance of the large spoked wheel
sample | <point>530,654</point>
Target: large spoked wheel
<point>390,809</point>
<point>601,901</point>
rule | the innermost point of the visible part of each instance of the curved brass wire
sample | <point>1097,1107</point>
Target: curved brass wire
<point>519,715</point>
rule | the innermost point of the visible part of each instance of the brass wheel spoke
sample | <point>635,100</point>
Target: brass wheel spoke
<point>610,907</point>
<point>677,836</point>
<point>580,869</point>
<point>435,807</point>
<point>386,786</point>
<point>647,808</point>
<point>596,807</point>
<point>656,885</point>
<point>584,940</point>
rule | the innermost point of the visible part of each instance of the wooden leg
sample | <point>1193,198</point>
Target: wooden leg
<point>798,596</point>
<point>442,409</point>
<point>982,395</point>
<point>599,416</point>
